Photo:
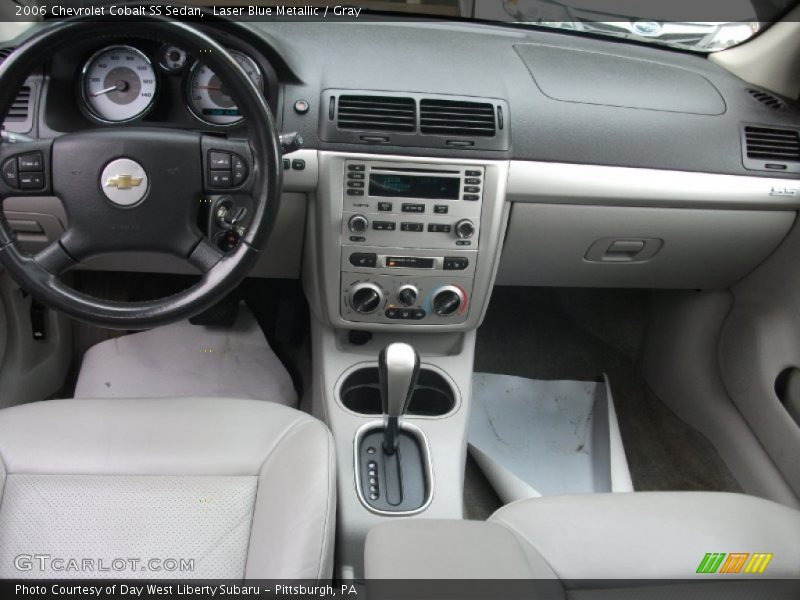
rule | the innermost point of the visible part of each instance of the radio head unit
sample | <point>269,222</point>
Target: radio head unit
<point>387,180</point>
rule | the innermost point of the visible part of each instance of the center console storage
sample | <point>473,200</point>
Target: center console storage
<point>433,396</point>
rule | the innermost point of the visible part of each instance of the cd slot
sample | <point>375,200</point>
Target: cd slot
<point>412,170</point>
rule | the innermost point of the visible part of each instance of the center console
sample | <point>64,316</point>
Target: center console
<point>410,237</point>
<point>404,249</point>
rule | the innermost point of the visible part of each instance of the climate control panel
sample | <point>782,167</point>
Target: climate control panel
<point>432,300</point>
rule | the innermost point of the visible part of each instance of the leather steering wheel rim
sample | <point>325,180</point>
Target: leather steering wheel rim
<point>39,275</point>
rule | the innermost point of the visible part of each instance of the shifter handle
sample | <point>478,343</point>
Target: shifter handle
<point>398,368</point>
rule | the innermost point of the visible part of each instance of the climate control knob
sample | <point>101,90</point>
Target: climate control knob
<point>358,224</point>
<point>366,298</point>
<point>465,229</point>
<point>447,300</point>
<point>407,295</point>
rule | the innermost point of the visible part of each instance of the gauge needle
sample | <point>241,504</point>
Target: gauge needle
<point>120,85</point>
<point>208,87</point>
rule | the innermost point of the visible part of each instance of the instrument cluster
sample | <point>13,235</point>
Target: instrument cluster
<point>121,83</point>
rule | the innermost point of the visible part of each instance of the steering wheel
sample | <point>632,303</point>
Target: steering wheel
<point>130,189</point>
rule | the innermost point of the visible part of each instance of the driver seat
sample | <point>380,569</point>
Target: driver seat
<point>241,488</point>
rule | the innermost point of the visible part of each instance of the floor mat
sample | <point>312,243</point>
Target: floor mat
<point>578,334</point>
<point>543,438</point>
<point>182,360</point>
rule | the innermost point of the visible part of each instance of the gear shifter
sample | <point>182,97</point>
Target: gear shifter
<point>398,368</point>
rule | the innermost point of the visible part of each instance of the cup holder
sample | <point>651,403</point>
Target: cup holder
<point>432,397</point>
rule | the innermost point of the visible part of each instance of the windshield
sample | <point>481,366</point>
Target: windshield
<point>698,25</point>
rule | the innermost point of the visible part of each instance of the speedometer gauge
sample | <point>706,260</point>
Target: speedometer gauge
<point>118,84</point>
<point>208,98</point>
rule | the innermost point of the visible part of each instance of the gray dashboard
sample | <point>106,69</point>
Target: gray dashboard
<point>607,146</point>
<point>571,99</point>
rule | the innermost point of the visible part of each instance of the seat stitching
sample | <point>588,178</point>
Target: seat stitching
<point>286,432</point>
<point>331,458</point>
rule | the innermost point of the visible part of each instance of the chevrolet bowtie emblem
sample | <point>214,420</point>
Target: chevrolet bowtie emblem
<point>123,182</point>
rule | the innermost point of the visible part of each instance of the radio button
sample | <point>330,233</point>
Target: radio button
<point>455,263</point>
<point>472,173</point>
<point>384,225</point>
<point>472,181</point>
<point>438,228</point>
<point>440,209</point>
<point>415,227</point>
<point>472,189</point>
<point>355,192</point>
<point>363,259</point>
<point>471,197</point>
<point>355,167</point>
<point>355,176</point>
<point>413,208</point>
<point>355,184</point>
<point>358,224</point>
<point>385,206</point>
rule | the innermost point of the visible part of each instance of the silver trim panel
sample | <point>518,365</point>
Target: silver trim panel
<point>562,183</point>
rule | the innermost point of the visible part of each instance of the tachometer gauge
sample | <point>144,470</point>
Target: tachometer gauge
<point>208,98</point>
<point>118,84</point>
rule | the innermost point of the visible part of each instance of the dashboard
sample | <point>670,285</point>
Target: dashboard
<point>442,158</point>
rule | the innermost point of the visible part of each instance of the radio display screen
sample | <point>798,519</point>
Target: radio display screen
<point>391,185</point>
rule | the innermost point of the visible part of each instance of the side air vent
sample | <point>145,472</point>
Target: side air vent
<point>4,52</point>
<point>770,149</point>
<point>456,118</point>
<point>377,113</point>
<point>21,107</point>
<point>767,99</point>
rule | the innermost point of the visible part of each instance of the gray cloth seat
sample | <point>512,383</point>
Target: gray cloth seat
<point>583,540</point>
<point>242,488</point>
<point>185,360</point>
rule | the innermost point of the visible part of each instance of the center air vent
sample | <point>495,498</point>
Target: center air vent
<point>767,99</point>
<point>769,149</point>
<point>456,118</point>
<point>377,113</point>
<point>415,120</point>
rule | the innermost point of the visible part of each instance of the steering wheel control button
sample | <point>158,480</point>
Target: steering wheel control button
<point>225,169</point>
<point>363,259</point>
<point>301,106</point>
<point>455,263</point>
<point>220,179</point>
<point>10,173</point>
<point>31,162</point>
<point>219,161</point>
<point>124,182</point>
<point>31,181</point>
<point>239,170</point>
